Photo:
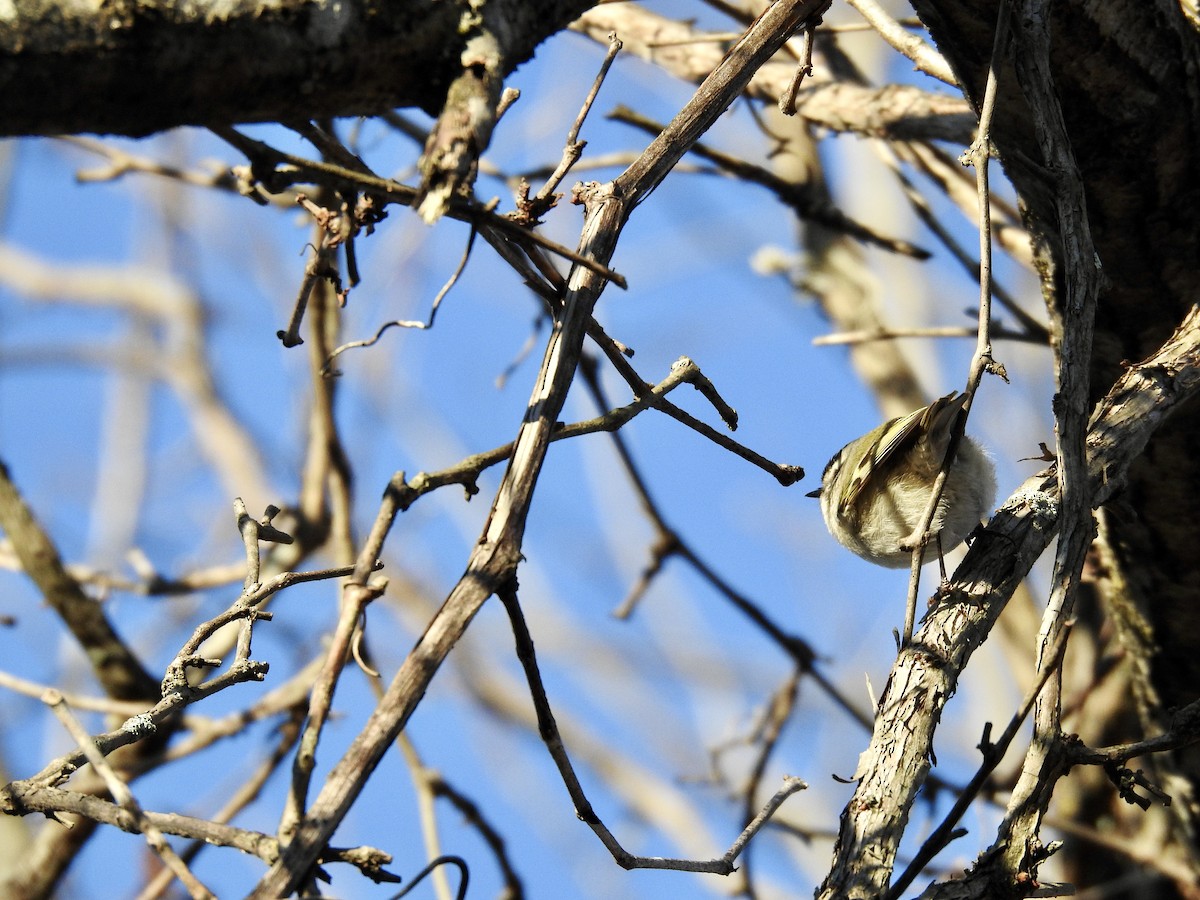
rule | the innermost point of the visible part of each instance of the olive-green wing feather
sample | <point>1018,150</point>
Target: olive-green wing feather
<point>894,438</point>
<point>891,438</point>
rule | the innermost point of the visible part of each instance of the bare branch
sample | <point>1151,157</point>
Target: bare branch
<point>22,797</point>
<point>924,57</point>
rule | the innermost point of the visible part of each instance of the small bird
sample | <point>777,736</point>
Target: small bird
<point>875,489</point>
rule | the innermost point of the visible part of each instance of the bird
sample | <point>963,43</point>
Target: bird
<point>875,490</point>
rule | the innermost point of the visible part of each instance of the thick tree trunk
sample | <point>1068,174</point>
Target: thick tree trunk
<point>1128,78</point>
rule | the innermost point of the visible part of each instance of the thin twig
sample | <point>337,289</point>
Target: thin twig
<point>843,338</point>
<point>328,369</point>
<point>322,264</point>
<point>253,532</point>
<point>1184,731</point>
<point>324,505</point>
<point>722,37</point>
<point>357,593</point>
<point>33,689</point>
<point>787,102</point>
<point>249,531</point>
<point>329,472</point>
<point>780,709</point>
<point>980,154</point>
<point>121,163</point>
<point>328,144</point>
<point>434,865</point>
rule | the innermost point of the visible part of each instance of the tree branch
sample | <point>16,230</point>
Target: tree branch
<point>145,67</point>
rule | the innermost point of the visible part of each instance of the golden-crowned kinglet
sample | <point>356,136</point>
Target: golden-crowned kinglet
<point>875,489</point>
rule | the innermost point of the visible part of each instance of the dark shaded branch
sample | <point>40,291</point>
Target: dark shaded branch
<point>143,67</point>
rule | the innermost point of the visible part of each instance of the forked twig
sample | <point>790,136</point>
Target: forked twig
<point>787,102</point>
<point>177,693</point>
<point>548,729</point>
<point>574,147</point>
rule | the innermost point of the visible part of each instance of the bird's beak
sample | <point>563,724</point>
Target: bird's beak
<point>816,493</point>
